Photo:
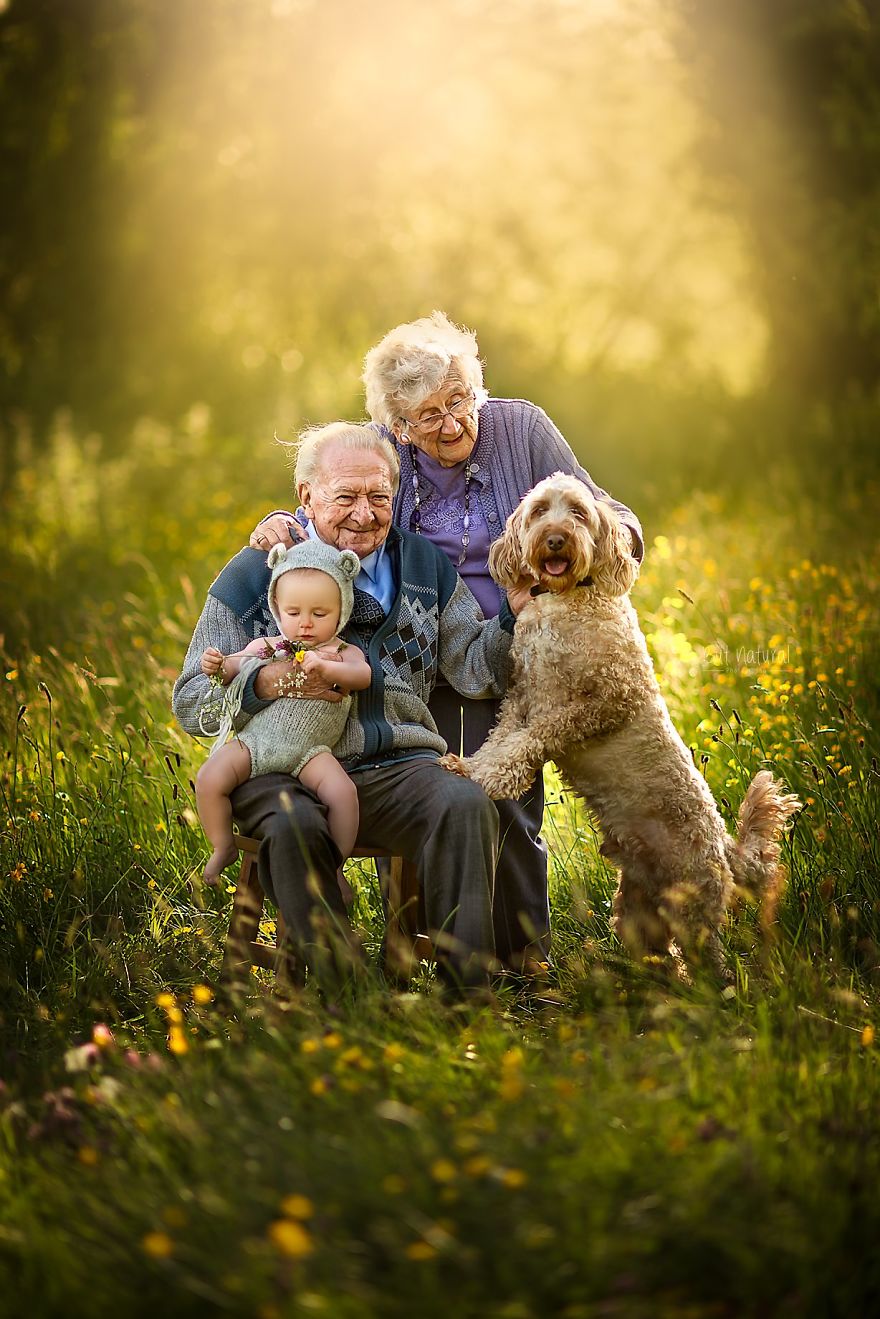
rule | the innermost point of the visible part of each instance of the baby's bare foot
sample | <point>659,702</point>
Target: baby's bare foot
<point>219,859</point>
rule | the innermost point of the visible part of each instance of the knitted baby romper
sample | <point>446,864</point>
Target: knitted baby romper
<point>287,734</point>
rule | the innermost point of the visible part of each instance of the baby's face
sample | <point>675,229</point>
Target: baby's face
<point>308,605</point>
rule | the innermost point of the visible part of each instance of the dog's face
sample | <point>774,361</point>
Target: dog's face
<point>559,536</point>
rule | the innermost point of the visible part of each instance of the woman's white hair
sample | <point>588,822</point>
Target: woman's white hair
<point>341,435</point>
<point>413,360</point>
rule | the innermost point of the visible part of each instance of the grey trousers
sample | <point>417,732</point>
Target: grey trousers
<point>445,824</point>
<point>521,911</point>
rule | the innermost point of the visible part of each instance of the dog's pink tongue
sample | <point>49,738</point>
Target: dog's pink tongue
<point>556,567</point>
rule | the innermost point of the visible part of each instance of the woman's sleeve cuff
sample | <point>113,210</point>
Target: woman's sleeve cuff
<point>250,702</point>
<point>506,617</point>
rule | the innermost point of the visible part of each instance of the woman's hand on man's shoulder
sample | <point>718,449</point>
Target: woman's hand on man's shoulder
<point>279,529</point>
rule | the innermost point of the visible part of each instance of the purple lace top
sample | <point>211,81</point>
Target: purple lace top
<point>442,491</point>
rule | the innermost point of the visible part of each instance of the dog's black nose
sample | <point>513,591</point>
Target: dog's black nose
<point>554,543</point>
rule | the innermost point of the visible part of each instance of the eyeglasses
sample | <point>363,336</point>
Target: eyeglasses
<point>458,409</point>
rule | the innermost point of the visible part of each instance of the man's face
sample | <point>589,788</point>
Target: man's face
<point>350,499</point>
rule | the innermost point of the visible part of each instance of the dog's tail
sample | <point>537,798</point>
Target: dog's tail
<point>754,853</point>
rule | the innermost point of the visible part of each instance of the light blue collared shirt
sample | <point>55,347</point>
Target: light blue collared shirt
<point>376,576</point>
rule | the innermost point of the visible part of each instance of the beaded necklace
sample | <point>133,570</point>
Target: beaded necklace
<point>416,519</point>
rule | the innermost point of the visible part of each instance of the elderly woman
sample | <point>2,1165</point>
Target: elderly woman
<point>466,461</point>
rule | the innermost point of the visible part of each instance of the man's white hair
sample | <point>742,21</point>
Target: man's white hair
<point>413,360</point>
<point>341,435</point>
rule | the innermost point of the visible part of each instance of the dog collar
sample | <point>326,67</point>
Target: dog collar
<point>537,589</point>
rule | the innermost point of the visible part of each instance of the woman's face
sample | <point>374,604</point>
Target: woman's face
<point>451,438</point>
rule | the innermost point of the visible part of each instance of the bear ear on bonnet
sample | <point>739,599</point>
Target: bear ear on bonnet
<point>349,564</point>
<point>275,555</point>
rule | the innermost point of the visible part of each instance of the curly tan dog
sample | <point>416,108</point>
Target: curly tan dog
<point>584,694</point>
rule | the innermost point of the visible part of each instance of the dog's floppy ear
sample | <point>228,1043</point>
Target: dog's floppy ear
<point>614,569</point>
<point>505,556</point>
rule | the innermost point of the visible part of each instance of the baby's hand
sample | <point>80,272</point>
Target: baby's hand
<point>310,662</point>
<point>212,661</point>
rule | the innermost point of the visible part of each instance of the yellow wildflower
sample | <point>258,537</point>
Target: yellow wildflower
<point>297,1206</point>
<point>290,1238</point>
<point>513,1178</point>
<point>102,1036</point>
<point>443,1170</point>
<point>158,1244</point>
<point>478,1166</point>
<point>420,1250</point>
<point>177,1041</point>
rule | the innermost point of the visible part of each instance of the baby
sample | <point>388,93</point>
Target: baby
<point>310,596</point>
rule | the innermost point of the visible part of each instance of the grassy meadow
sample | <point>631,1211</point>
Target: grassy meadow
<point>661,219</point>
<point>621,1145</point>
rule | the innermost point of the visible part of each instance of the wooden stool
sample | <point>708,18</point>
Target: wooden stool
<point>405,948</point>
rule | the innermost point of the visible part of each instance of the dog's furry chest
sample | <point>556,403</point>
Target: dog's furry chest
<point>562,641</point>
<point>536,651</point>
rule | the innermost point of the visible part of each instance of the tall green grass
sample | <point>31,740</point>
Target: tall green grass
<point>622,1145</point>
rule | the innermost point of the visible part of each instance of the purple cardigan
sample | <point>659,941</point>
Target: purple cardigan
<point>517,446</point>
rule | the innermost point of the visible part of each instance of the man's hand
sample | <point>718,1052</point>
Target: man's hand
<point>212,662</point>
<point>277,679</point>
<point>277,530</point>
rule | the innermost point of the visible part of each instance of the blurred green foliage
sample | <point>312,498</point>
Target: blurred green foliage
<point>649,210</point>
<point>790,101</point>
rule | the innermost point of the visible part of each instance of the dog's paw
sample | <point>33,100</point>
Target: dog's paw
<point>454,764</point>
<point>502,784</point>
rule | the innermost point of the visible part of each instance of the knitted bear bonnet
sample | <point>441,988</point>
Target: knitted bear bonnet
<point>342,565</point>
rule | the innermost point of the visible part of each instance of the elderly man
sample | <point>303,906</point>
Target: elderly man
<point>414,619</point>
